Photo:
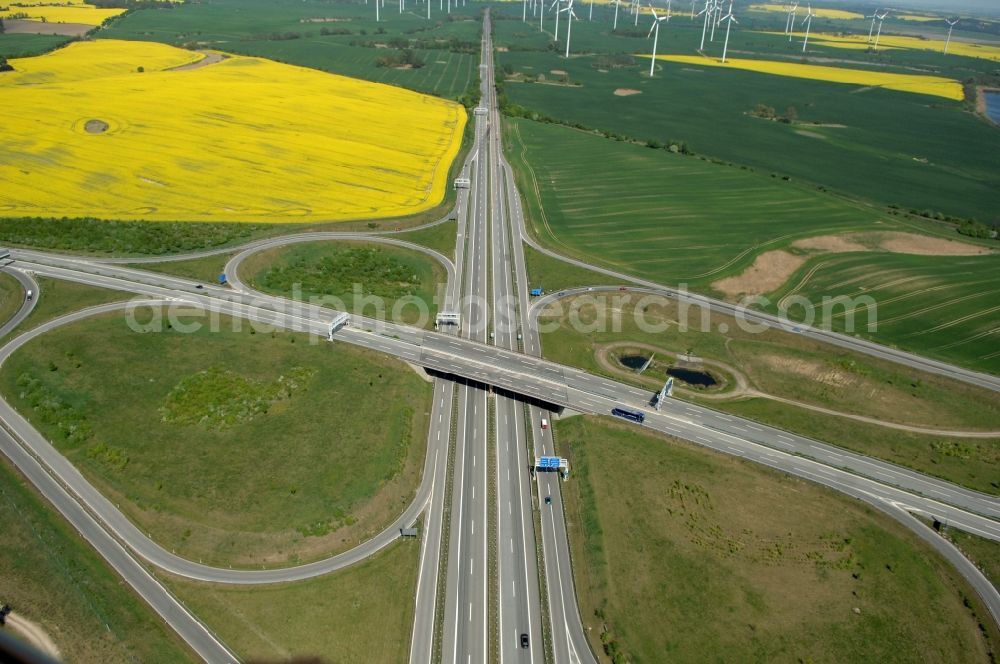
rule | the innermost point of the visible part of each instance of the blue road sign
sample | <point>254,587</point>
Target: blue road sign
<point>536,291</point>
<point>548,462</point>
<point>222,278</point>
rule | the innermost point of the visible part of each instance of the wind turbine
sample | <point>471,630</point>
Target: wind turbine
<point>377,3</point>
<point>790,21</point>
<point>716,9</point>
<point>638,8</point>
<point>524,11</point>
<point>555,3</point>
<point>808,20</point>
<point>871,29</point>
<point>951,26</point>
<point>880,19</point>
<point>591,16</point>
<point>704,29</point>
<point>655,28</point>
<point>570,15</point>
<point>617,2</point>
<point>729,19</point>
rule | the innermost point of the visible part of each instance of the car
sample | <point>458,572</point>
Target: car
<point>524,640</point>
<point>548,500</point>
<point>622,288</point>
<point>199,286</point>
<point>545,424</point>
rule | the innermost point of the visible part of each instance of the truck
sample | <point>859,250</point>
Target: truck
<point>545,424</point>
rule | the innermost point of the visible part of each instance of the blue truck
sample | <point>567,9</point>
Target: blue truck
<point>633,415</point>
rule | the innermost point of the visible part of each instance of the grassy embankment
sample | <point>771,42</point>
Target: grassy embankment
<point>51,576</point>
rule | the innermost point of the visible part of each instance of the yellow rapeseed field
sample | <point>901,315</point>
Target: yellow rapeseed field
<point>928,85</point>
<point>819,13</point>
<point>77,13</point>
<point>985,51</point>
<point>917,18</point>
<point>245,139</point>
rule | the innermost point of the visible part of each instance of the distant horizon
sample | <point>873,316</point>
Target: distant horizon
<point>987,7</point>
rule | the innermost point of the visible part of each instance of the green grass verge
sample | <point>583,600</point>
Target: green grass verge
<point>684,552</point>
<point>256,447</point>
<point>552,275</point>
<point>970,462</point>
<point>983,552</point>
<point>793,367</point>
<point>57,298</point>
<point>441,238</point>
<point>205,269</point>
<point>360,614</point>
<point>50,575</point>
<point>11,297</point>
<point>360,277</point>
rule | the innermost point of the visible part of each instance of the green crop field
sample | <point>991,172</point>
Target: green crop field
<point>910,150</point>
<point>51,576</point>
<point>252,450</point>
<point>341,38</point>
<point>663,216</point>
<point>678,553</point>
<point>25,45</point>
<point>942,307</point>
<point>677,219</point>
<point>360,614</point>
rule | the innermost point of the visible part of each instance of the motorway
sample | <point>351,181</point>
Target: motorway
<point>467,613</point>
<point>503,430</point>
<point>517,583</point>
